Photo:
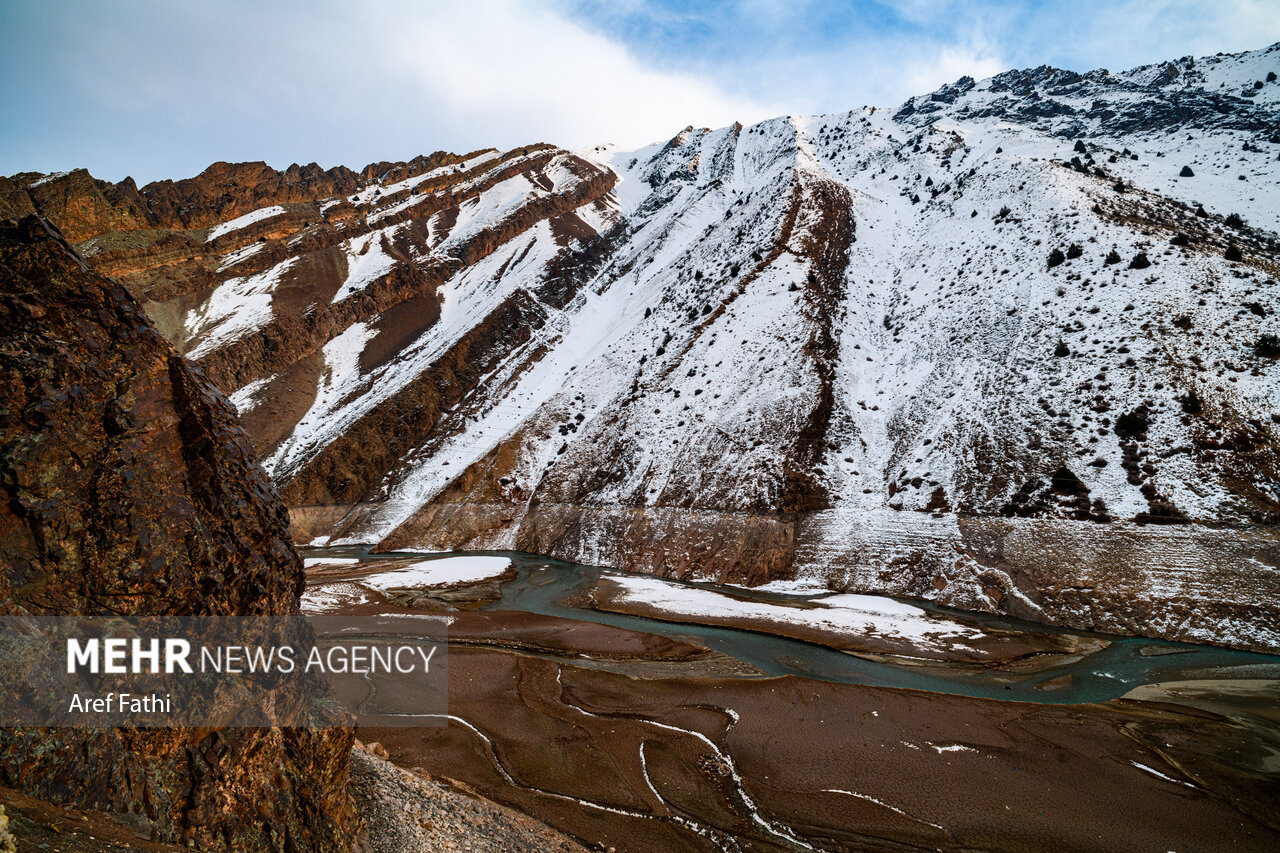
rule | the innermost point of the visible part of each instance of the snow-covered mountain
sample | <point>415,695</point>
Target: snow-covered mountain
<point>972,348</point>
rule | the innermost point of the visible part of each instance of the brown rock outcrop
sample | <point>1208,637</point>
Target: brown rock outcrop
<point>129,488</point>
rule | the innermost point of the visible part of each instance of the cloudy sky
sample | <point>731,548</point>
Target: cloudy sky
<point>161,88</point>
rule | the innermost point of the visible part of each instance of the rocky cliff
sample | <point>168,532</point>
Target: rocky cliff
<point>129,488</point>
<point>972,348</point>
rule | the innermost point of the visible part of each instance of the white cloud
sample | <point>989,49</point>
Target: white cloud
<point>349,83</point>
<point>504,64</point>
<point>946,66</point>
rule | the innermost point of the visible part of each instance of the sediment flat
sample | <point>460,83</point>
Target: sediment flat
<point>680,763</point>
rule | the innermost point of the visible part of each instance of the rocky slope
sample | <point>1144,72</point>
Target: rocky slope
<point>129,489</point>
<point>974,348</point>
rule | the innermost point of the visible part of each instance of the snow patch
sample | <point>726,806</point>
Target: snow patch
<point>259,215</point>
<point>444,571</point>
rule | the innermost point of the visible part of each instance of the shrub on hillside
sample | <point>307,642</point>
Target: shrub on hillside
<point>1132,424</point>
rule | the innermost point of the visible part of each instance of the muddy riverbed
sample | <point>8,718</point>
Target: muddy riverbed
<point>651,719</point>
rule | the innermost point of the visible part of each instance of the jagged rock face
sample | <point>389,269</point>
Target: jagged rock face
<point>816,345</point>
<point>129,488</point>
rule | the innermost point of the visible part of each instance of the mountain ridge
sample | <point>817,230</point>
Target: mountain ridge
<point>899,350</point>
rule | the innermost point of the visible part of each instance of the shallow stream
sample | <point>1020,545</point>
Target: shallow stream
<point>542,584</point>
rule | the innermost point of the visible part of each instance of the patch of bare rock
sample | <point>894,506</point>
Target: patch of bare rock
<point>409,813</point>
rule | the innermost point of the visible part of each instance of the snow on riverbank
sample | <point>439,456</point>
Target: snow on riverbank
<point>332,597</point>
<point>424,574</point>
<point>845,614</point>
<point>315,562</point>
<point>445,571</point>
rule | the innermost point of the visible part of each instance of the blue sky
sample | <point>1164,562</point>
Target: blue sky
<point>158,89</point>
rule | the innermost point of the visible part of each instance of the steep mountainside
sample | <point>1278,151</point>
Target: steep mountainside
<point>128,489</point>
<point>971,349</point>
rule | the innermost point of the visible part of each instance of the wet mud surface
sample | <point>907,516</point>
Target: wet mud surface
<point>671,738</point>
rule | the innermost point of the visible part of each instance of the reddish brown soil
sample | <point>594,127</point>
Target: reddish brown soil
<point>1029,777</point>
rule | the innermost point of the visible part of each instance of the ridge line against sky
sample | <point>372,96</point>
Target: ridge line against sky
<point>157,89</point>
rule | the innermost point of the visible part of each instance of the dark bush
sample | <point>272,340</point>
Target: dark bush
<point>1113,257</point>
<point>1132,424</point>
<point>1079,148</point>
<point>1074,251</point>
<point>1180,240</point>
<point>1004,211</point>
<point>1186,172</point>
<point>1233,253</point>
<point>1234,220</point>
<point>1139,262</point>
<point>1056,257</point>
<point>1191,403</point>
<point>1062,350</point>
<point>1267,346</point>
<point>1119,187</point>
